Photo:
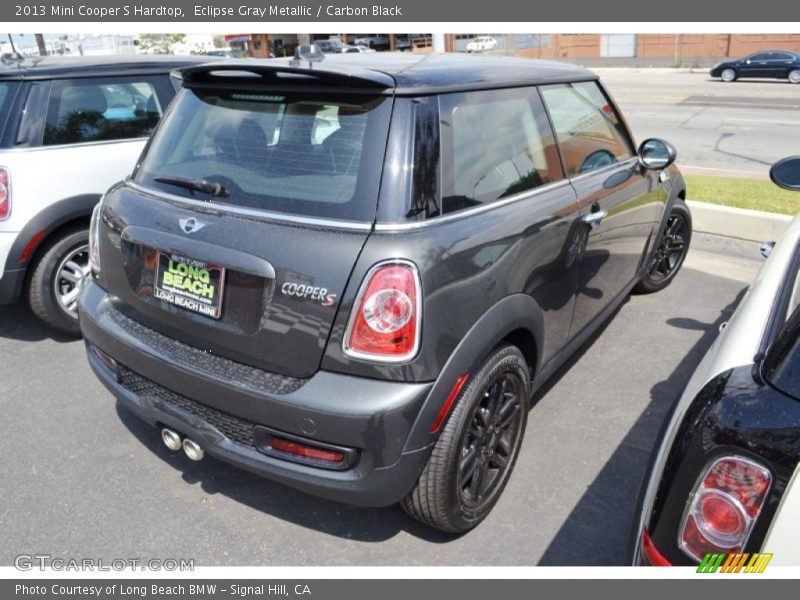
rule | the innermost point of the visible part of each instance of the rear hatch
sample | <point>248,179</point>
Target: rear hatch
<point>242,223</point>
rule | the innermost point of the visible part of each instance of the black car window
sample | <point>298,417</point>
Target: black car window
<point>8,90</point>
<point>590,133</point>
<point>759,56</point>
<point>782,361</point>
<point>310,154</point>
<point>494,144</point>
<point>780,56</point>
<point>91,109</point>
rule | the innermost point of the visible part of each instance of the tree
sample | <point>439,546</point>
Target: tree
<point>160,43</point>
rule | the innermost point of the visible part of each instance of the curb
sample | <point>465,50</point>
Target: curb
<point>739,223</point>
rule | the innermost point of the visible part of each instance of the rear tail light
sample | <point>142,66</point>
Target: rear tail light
<point>385,323</point>
<point>94,240</point>
<point>725,505</point>
<point>5,194</point>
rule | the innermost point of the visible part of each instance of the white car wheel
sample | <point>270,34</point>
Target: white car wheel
<point>794,76</point>
<point>728,75</point>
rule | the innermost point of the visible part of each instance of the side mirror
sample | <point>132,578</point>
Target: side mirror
<point>786,173</point>
<point>656,154</point>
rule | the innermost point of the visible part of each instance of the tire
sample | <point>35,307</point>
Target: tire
<point>728,75</point>
<point>669,254</point>
<point>443,496</point>
<point>50,272</point>
<point>794,76</point>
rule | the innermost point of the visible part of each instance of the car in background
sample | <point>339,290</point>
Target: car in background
<point>725,477</point>
<point>334,46</point>
<point>221,53</point>
<point>357,50</point>
<point>774,64</point>
<point>482,43</point>
<point>69,129</point>
<point>402,43</point>
<point>374,41</point>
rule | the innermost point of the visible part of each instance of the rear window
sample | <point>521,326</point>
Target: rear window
<point>307,154</point>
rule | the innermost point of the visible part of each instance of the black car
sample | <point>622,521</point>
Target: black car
<point>364,310</point>
<point>775,64</point>
<point>724,480</point>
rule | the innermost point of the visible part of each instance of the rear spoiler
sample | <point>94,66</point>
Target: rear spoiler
<point>261,73</point>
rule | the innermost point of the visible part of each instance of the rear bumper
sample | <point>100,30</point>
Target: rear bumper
<point>217,402</point>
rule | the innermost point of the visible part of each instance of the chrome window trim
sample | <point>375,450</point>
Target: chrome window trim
<point>462,214</point>
<point>42,148</point>
<point>250,212</point>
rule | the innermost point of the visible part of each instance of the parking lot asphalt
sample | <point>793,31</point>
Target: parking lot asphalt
<point>82,478</point>
<point>729,129</point>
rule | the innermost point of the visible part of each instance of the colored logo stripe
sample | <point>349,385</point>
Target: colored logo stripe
<point>734,563</point>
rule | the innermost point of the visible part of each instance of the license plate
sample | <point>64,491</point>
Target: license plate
<point>191,284</point>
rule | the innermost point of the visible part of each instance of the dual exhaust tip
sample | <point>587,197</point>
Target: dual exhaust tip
<point>174,441</point>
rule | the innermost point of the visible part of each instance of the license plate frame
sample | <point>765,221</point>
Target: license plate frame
<point>190,284</point>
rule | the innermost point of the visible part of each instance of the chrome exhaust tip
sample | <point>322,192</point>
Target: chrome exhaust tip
<point>171,439</point>
<point>192,450</point>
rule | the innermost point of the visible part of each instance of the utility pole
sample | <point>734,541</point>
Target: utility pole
<point>11,41</point>
<point>40,43</point>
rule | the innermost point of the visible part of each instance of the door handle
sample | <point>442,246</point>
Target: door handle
<point>593,219</point>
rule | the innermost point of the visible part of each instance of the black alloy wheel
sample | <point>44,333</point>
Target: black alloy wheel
<point>477,447</point>
<point>670,252</point>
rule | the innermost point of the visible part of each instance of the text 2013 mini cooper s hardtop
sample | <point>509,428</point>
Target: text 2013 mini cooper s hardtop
<point>351,276</point>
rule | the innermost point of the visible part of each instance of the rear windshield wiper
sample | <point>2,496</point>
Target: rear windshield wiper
<point>197,185</point>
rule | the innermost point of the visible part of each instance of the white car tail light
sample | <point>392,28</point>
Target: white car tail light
<point>385,323</point>
<point>94,239</point>
<point>5,193</point>
<point>726,501</point>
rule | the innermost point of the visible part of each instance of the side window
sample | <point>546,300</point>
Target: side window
<point>99,109</point>
<point>494,144</point>
<point>759,56</point>
<point>779,56</point>
<point>589,130</point>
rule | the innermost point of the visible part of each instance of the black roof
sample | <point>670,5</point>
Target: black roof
<point>54,67</point>
<point>403,73</point>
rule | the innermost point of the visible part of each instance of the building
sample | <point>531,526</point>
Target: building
<point>651,49</point>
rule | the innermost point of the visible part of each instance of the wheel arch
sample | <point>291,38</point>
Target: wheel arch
<point>516,319</point>
<point>59,216</point>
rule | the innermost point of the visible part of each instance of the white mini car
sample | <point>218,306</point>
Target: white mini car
<point>69,129</point>
<point>723,487</point>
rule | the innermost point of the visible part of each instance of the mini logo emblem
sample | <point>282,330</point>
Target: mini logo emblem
<point>190,225</point>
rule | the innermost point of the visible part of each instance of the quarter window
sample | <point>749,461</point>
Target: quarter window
<point>89,110</point>
<point>494,144</point>
<point>590,133</point>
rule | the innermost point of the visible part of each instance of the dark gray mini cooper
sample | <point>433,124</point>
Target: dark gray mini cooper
<point>351,276</point>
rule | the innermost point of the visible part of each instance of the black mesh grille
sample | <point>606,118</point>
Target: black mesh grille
<point>236,429</point>
<point>220,368</point>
